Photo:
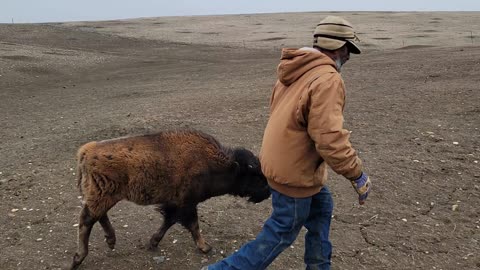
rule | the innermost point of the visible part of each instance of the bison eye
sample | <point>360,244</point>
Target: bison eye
<point>250,166</point>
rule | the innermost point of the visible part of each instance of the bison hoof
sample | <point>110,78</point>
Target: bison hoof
<point>110,242</point>
<point>152,246</point>
<point>76,262</point>
<point>206,248</point>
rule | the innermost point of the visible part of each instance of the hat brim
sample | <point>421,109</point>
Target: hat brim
<point>334,44</point>
<point>352,47</point>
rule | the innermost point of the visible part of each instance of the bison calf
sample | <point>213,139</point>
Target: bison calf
<point>175,170</point>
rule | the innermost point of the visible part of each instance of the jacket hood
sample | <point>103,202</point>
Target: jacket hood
<point>296,62</point>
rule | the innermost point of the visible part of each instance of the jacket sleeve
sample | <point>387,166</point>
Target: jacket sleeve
<point>325,127</point>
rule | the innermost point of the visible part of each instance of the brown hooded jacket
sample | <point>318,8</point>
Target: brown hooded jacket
<point>305,130</point>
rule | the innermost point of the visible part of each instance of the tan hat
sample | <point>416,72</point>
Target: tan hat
<point>333,32</point>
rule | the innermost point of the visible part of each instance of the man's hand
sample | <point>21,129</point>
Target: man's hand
<point>362,186</point>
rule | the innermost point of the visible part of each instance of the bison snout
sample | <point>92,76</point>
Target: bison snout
<point>260,196</point>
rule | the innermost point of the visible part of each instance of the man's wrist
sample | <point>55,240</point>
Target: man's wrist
<point>362,178</point>
<point>356,177</point>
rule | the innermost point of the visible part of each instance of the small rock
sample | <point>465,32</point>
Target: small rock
<point>14,210</point>
<point>39,239</point>
<point>416,160</point>
<point>455,143</point>
<point>125,226</point>
<point>75,225</point>
<point>454,207</point>
<point>159,259</point>
<point>404,219</point>
<point>174,241</point>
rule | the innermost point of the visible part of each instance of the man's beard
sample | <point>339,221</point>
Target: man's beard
<point>339,65</point>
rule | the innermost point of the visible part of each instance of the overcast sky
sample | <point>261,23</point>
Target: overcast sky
<point>28,11</point>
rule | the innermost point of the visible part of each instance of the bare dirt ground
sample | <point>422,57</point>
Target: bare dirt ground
<point>413,104</point>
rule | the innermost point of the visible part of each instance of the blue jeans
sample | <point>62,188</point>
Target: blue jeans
<point>282,228</point>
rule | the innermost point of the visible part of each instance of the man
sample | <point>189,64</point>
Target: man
<point>303,136</point>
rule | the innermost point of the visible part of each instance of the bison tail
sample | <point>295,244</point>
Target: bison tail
<point>81,155</point>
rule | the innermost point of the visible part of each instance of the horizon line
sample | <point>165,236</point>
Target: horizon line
<point>12,20</point>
